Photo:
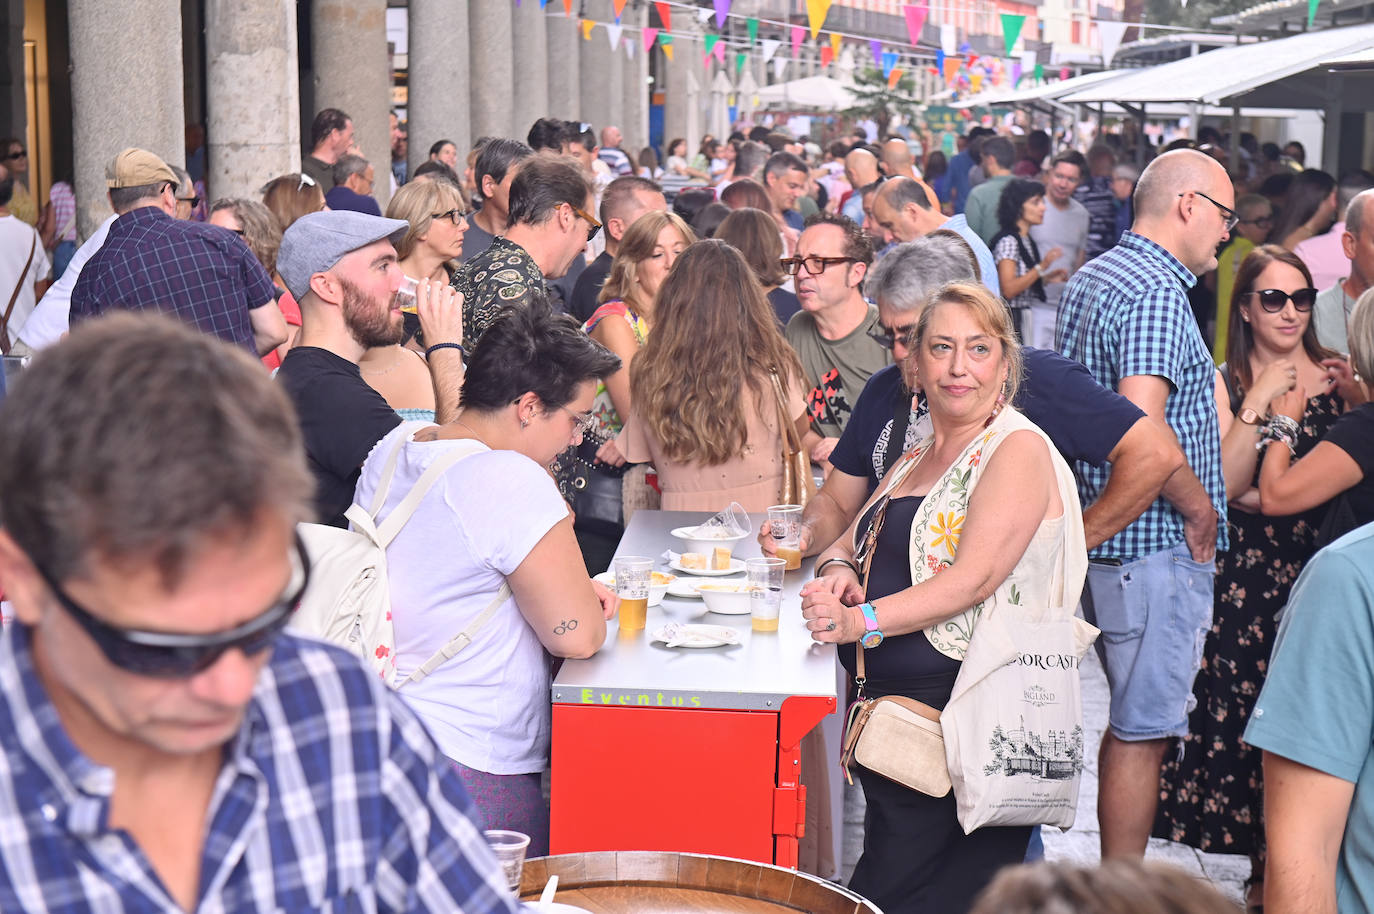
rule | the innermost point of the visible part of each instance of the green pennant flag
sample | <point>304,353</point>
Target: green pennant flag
<point>664,38</point>
<point>711,42</point>
<point>1039,73</point>
<point>753,26</point>
<point>739,61</point>
<point>1011,29</point>
<point>1311,12</point>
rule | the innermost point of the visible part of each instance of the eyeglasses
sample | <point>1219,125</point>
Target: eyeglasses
<point>1275,300</point>
<point>167,655</point>
<point>814,265</point>
<point>192,201</point>
<point>1261,222</point>
<point>888,337</point>
<point>595,225</point>
<point>1228,214</point>
<point>584,421</point>
<point>16,155</point>
<point>454,215</point>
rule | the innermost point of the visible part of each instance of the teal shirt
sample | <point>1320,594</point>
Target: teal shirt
<point>981,211</point>
<point>1317,705</point>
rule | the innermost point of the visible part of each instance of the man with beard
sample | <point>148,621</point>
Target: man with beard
<point>341,268</point>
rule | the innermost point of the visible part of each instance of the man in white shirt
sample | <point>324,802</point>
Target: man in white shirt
<point>1331,313</point>
<point>24,267</point>
<point>1065,227</point>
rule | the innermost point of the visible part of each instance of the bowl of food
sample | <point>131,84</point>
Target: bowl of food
<point>658,584</point>
<point>706,540</point>
<point>729,598</point>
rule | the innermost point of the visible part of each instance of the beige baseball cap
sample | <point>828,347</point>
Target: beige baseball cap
<point>136,167</point>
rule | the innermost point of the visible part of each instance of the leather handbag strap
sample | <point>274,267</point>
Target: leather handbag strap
<point>791,442</point>
<point>14,297</point>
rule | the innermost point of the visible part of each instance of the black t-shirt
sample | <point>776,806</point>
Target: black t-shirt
<point>1354,434</point>
<point>588,287</point>
<point>785,304</point>
<point>1084,419</point>
<point>341,419</point>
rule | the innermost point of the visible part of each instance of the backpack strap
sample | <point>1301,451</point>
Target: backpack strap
<point>389,528</point>
<point>460,640</point>
<point>388,473</point>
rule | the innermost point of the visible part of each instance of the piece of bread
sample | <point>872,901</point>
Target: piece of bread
<point>693,560</point>
<point>720,559</point>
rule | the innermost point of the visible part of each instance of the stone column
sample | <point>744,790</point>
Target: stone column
<point>350,58</point>
<point>686,82</point>
<point>439,79</point>
<point>250,52</point>
<point>635,113</point>
<point>564,68</point>
<point>122,95</point>
<point>531,48</point>
<point>492,88</point>
<point>595,97</point>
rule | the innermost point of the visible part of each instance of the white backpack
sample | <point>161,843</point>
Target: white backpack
<point>348,601</point>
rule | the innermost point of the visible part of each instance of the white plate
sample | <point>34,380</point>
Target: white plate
<point>736,566</point>
<point>682,589</point>
<point>696,635</point>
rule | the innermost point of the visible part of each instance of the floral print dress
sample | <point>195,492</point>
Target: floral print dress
<point>1212,797</point>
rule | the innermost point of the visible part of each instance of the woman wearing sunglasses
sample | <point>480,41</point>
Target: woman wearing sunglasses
<point>495,519</point>
<point>1212,797</point>
<point>981,516</point>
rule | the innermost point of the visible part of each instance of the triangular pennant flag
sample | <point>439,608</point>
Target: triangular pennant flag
<point>722,10</point>
<point>613,35</point>
<point>648,36</point>
<point>619,7</point>
<point>798,33</point>
<point>816,11</point>
<point>739,61</point>
<point>1015,72</point>
<point>665,14</point>
<point>770,47</point>
<point>630,50</point>
<point>703,15</point>
<point>1111,34</point>
<point>720,53</point>
<point>665,39</point>
<point>951,68</point>
<point>1011,29</point>
<point>668,51</point>
<point>587,26</point>
<point>940,61</point>
<point>835,39</point>
<point>876,47</point>
<point>1311,12</point>
<point>779,64</point>
<point>567,8</point>
<point>710,41</point>
<point>543,3</point>
<point>752,25</point>
<point>1039,73</point>
<point>975,82</point>
<point>1063,72</point>
<point>893,78</point>
<point>915,20</point>
<point>949,38</point>
<point>889,62</point>
<point>827,55</point>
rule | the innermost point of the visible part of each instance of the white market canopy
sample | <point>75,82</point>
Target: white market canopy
<point>1049,91</point>
<point>821,92</point>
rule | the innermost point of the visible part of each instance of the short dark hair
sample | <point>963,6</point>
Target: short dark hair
<point>325,123</point>
<point>545,181</point>
<point>1071,157</point>
<point>496,158</point>
<point>576,134</point>
<point>746,192</point>
<point>549,133</point>
<point>780,163</point>
<point>1014,196</point>
<point>123,199</point>
<point>692,200</point>
<point>439,146</point>
<point>92,466</point>
<point>709,219</point>
<point>857,244</point>
<point>439,170</point>
<point>1001,150</point>
<point>902,191</point>
<point>621,191</point>
<point>528,348</point>
<point>348,166</point>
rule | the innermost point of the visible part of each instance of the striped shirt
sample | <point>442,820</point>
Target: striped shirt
<point>1125,314</point>
<point>332,797</point>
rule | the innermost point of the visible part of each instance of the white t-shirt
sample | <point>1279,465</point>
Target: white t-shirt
<point>17,238</point>
<point>488,707</point>
<point>50,319</point>
<point>1067,229</point>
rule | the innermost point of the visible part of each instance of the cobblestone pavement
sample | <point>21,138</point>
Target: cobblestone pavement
<point>1226,872</point>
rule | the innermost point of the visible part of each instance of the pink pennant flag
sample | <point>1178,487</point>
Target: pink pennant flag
<point>649,36</point>
<point>915,20</point>
<point>798,33</point>
<point>720,52</point>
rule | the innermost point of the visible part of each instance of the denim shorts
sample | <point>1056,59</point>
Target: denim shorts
<point>1154,614</point>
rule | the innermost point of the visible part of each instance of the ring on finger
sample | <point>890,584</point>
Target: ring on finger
<point>831,626</point>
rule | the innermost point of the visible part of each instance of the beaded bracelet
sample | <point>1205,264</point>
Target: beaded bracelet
<point>458,346</point>
<point>1280,428</point>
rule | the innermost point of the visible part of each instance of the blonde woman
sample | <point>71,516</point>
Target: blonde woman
<point>704,409</point>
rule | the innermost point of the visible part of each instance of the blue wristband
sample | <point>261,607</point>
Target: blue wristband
<point>458,346</point>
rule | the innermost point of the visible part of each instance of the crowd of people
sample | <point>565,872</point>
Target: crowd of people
<point>1019,373</point>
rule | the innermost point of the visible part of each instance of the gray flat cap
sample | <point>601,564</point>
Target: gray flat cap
<point>314,243</point>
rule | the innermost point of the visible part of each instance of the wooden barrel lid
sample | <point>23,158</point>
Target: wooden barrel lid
<point>659,882</point>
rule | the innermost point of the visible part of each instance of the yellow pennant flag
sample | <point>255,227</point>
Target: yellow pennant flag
<point>587,26</point>
<point>668,51</point>
<point>816,11</point>
<point>835,43</point>
<point>975,81</point>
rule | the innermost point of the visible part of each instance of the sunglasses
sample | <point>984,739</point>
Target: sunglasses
<point>813,264</point>
<point>168,655</point>
<point>887,337</point>
<point>194,201</point>
<point>1228,214</point>
<point>1275,300</point>
<point>454,215</point>
<point>16,155</point>
<point>595,225</point>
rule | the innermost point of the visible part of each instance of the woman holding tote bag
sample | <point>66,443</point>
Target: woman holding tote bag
<point>981,521</point>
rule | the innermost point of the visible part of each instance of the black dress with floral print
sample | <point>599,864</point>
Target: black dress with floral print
<point>1212,798</point>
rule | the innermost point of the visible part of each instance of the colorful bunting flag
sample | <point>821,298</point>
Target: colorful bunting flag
<point>703,14</point>
<point>543,3</point>
<point>722,10</point>
<point>619,7</point>
<point>666,42</point>
<point>1110,34</point>
<point>835,39</point>
<point>1015,72</point>
<point>770,47</point>
<point>753,26</point>
<point>1039,73</point>
<point>779,65</point>
<point>889,62</point>
<point>739,61</point>
<point>587,26</point>
<point>949,39</point>
<point>567,8</point>
<point>798,33</point>
<point>876,47</point>
<point>720,53</point>
<point>665,14</point>
<point>648,36</point>
<point>613,35</point>
<point>1063,72</point>
<point>975,81</point>
<point>951,68</point>
<point>710,41</point>
<point>1311,12</point>
<point>893,78</point>
<point>1011,29</point>
<point>816,11</point>
<point>630,50</point>
<point>827,55</point>
<point>915,20</point>
<point>940,61</point>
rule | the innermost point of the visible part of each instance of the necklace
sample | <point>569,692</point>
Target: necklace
<point>379,372</point>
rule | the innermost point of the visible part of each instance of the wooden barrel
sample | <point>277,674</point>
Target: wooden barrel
<point>660,882</point>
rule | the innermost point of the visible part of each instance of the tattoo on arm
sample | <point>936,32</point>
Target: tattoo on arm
<point>567,625</point>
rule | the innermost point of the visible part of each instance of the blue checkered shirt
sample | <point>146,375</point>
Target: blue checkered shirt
<point>332,797</point>
<point>1125,314</point>
<point>201,273</point>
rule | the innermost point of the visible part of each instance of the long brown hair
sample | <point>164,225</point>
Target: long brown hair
<point>713,330</point>
<point>1240,339</point>
<point>754,233</point>
<point>637,246</point>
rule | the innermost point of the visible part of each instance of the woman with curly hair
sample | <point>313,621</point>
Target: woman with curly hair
<point>705,408</point>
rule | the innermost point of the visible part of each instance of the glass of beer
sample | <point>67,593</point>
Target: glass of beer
<point>632,575</point>
<point>765,591</point>
<point>784,526</point>
<point>405,295</point>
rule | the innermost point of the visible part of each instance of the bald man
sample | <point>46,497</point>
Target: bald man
<point>897,159</point>
<point>860,170</point>
<point>907,210</point>
<point>1126,317</point>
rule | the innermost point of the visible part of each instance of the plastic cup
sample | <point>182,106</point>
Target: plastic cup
<point>765,592</point>
<point>784,525</point>
<point>632,575</point>
<point>509,848</point>
<point>405,295</point>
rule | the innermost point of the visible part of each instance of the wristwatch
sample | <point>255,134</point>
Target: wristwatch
<point>1249,416</point>
<point>873,636</point>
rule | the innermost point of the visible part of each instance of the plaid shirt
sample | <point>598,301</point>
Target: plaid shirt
<point>1124,314</point>
<point>332,797</point>
<point>201,273</point>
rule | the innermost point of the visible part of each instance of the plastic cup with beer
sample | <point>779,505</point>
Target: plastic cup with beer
<point>632,576</point>
<point>784,526</point>
<point>509,848</point>
<point>405,295</point>
<point>765,591</point>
